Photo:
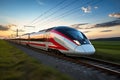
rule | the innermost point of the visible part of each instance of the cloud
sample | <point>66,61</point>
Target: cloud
<point>109,24</point>
<point>106,31</point>
<point>115,15</point>
<point>83,26</point>
<point>19,30</point>
<point>4,28</point>
<point>100,25</point>
<point>40,2</point>
<point>86,31</point>
<point>86,9</point>
<point>96,7</point>
<point>78,25</point>
<point>29,26</point>
<point>11,25</point>
<point>7,27</point>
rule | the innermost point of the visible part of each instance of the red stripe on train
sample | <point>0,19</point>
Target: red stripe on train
<point>56,44</point>
<point>57,32</point>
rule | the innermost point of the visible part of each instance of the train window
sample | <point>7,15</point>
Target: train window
<point>40,37</point>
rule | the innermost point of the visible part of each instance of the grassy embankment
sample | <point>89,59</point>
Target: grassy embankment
<point>16,65</point>
<point>107,50</point>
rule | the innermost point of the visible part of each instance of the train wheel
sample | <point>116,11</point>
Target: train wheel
<point>54,51</point>
<point>28,45</point>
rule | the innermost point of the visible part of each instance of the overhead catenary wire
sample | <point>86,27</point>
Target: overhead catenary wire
<point>67,12</point>
<point>70,12</point>
<point>53,13</point>
<point>63,15</point>
<point>61,2</point>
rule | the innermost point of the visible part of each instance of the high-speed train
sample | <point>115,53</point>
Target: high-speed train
<point>64,39</point>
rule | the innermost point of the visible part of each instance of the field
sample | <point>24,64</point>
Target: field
<point>107,50</point>
<point>16,65</point>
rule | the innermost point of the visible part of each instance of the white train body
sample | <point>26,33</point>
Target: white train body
<point>67,40</point>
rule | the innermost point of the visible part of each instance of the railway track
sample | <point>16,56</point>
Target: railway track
<point>105,66</point>
<point>97,64</point>
<point>101,65</point>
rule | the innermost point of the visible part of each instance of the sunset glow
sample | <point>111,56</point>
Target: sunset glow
<point>95,18</point>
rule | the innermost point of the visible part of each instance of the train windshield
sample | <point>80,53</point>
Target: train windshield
<point>79,36</point>
<point>74,35</point>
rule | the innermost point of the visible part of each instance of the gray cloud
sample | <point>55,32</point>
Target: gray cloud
<point>4,28</point>
<point>106,31</point>
<point>89,27</point>
<point>86,31</point>
<point>115,15</point>
<point>7,27</point>
<point>100,25</point>
<point>108,24</point>
<point>77,26</point>
<point>83,26</point>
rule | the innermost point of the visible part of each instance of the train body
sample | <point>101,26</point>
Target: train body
<point>67,40</point>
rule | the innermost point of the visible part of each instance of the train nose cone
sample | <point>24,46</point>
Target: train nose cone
<point>85,49</point>
<point>89,49</point>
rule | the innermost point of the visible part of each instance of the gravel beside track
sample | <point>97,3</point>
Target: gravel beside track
<point>78,72</point>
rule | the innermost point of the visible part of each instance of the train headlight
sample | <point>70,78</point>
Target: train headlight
<point>77,42</point>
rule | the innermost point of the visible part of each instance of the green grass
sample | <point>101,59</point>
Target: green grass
<point>16,65</point>
<point>107,50</point>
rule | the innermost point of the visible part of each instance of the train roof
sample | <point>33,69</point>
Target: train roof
<point>64,28</point>
<point>58,27</point>
<point>49,29</point>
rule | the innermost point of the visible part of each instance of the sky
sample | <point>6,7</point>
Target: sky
<point>95,18</point>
